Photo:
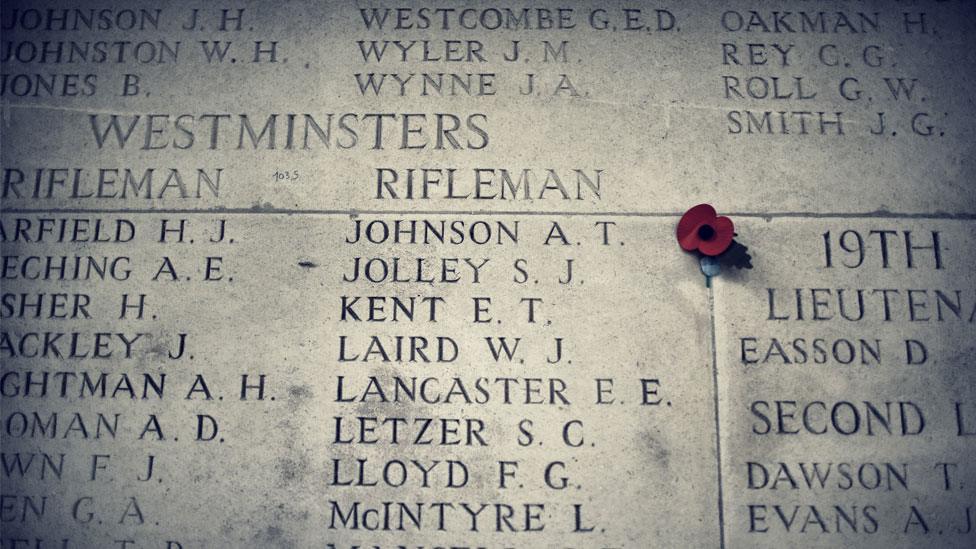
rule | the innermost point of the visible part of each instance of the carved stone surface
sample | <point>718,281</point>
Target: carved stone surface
<point>347,276</point>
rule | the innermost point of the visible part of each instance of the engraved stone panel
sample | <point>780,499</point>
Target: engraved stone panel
<point>404,275</point>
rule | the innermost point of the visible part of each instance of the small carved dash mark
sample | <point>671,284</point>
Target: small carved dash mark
<point>307,264</point>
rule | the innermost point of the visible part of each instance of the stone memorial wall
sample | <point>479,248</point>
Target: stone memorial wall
<point>379,275</point>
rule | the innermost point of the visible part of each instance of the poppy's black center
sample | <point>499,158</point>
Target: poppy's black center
<point>706,232</point>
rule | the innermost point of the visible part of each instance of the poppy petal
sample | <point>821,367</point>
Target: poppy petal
<point>724,229</point>
<point>690,241</point>
<point>689,224</point>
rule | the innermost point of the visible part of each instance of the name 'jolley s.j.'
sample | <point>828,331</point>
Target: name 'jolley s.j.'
<point>291,133</point>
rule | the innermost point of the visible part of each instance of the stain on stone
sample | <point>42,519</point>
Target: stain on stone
<point>159,350</point>
<point>292,469</point>
<point>274,537</point>
<point>259,207</point>
<point>657,451</point>
<point>288,470</point>
<point>300,392</point>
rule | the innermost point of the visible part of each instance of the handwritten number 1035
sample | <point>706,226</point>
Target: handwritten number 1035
<point>285,175</point>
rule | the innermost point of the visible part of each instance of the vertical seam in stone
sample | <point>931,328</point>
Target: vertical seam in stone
<point>718,436</point>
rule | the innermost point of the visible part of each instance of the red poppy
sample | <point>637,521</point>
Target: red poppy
<point>701,229</point>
